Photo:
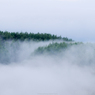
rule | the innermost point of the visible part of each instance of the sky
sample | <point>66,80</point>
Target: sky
<point>69,18</point>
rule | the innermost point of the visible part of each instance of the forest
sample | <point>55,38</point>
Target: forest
<point>30,36</point>
<point>11,44</point>
<point>54,48</point>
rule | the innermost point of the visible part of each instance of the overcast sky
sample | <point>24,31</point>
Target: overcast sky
<point>69,18</point>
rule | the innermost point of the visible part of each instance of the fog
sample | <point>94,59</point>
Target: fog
<point>72,72</point>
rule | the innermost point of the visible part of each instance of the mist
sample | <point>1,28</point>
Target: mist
<point>72,72</point>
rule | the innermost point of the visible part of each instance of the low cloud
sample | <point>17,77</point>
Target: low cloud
<point>70,73</point>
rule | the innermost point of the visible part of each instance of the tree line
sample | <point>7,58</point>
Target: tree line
<point>30,36</point>
<point>53,48</point>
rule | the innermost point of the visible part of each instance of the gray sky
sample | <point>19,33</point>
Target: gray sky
<point>69,18</point>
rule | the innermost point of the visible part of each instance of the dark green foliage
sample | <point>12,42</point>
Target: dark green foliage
<point>30,36</point>
<point>10,44</point>
<point>55,47</point>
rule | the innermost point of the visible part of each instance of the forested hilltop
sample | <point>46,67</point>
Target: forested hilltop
<point>30,36</point>
<point>12,45</point>
<point>54,48</point>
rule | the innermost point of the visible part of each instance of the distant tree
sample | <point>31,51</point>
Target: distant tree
<point>30,36</point>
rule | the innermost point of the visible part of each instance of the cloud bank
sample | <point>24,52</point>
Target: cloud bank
<point>71,73</point>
